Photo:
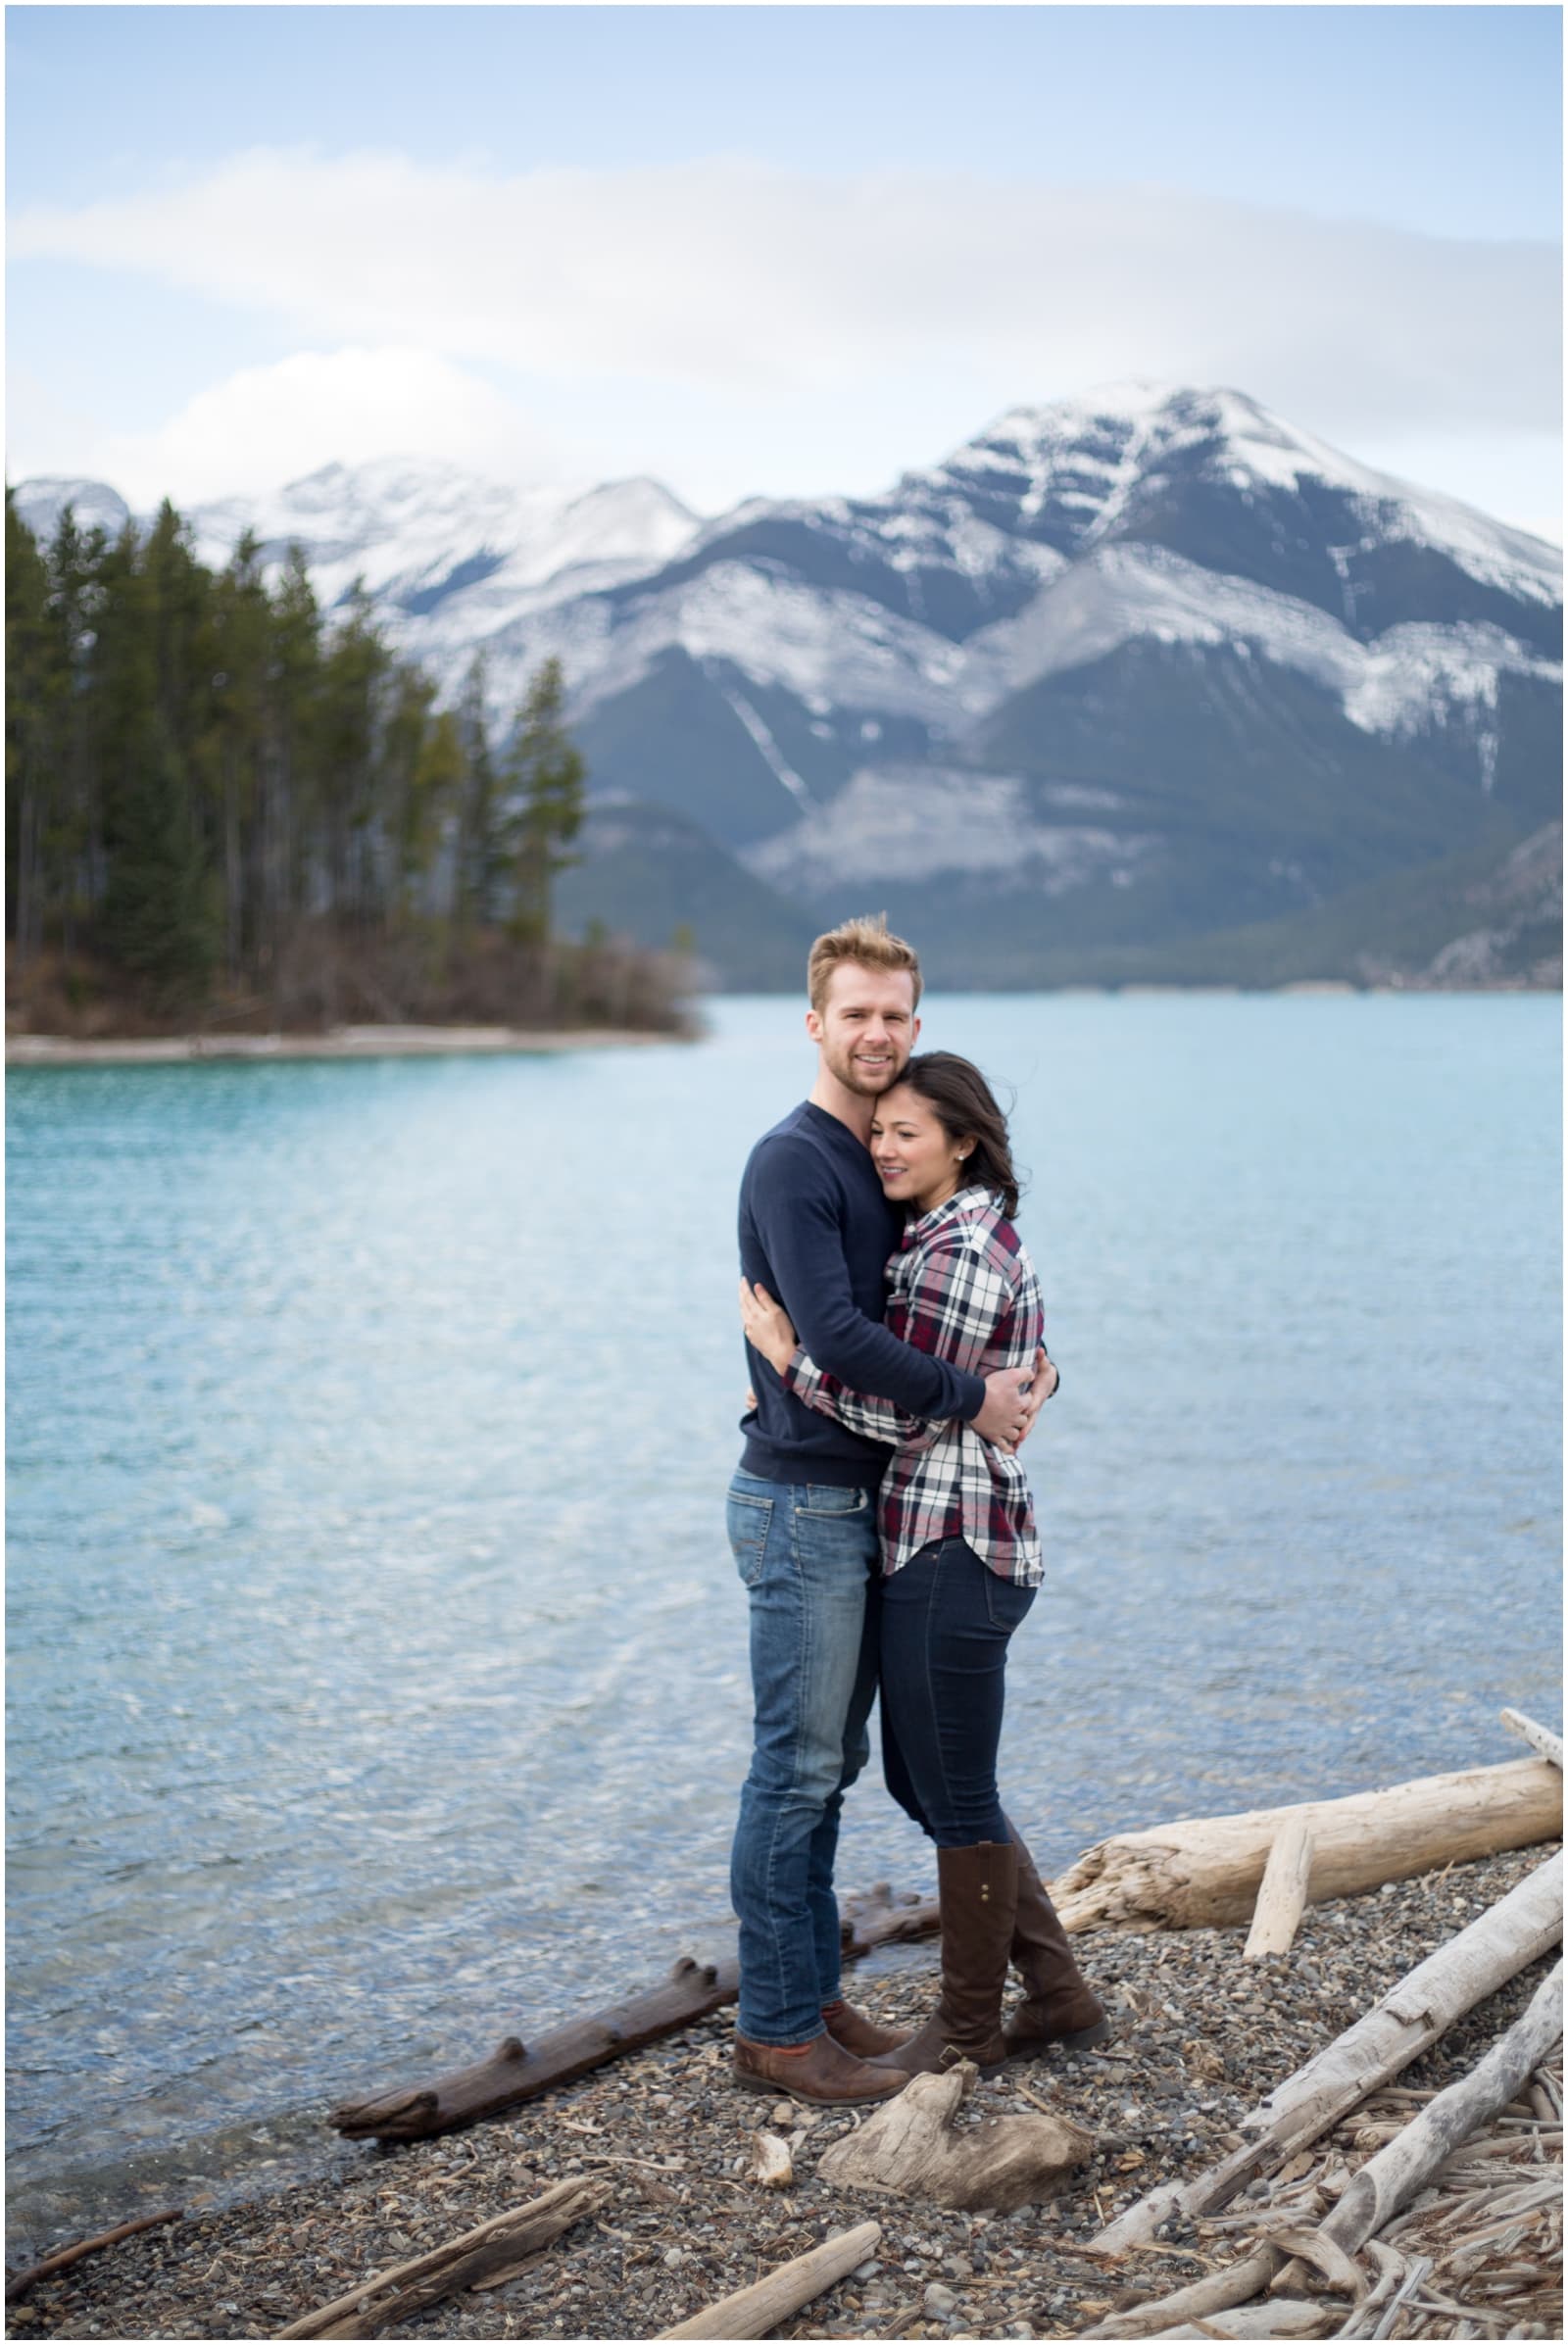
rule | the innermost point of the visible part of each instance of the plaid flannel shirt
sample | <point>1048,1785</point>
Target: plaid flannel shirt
<point>961,1285</point>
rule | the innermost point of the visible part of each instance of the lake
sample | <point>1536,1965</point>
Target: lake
<point>378,1668</point>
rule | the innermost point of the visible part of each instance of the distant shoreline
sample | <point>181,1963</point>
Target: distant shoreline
<point>342,1042</point>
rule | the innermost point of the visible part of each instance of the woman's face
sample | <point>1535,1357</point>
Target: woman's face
<point>916,1160</point>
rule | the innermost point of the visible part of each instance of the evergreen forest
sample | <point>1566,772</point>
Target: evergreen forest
<point>227,807</point>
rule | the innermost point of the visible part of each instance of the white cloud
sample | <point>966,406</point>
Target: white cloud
<point>267,425</point>
<point>746,278</point>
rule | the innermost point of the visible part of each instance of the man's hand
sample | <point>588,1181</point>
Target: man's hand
<point>768,1327</point>
<point>1015,1399</point>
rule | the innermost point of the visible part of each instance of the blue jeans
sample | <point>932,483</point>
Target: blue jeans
<point>808,1555</point>
<point>947,1619</point>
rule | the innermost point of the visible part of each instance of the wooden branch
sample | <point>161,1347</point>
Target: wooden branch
<point>1538,1738</point>
<point>516,2072</point>
<point>752,2312</point>
<point>1284,2318</point>
<point>909,2145</point>
<point>1501,1942</point>
<point>1389,2180</point>
<point>491,2251</point>
<point>1282,1898</point>
<point>64,2257</point>
<point>1205,1872</point>
<point>1216,2293</point>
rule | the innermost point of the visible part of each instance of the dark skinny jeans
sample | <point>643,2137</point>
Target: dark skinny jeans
<point>947,1619</point>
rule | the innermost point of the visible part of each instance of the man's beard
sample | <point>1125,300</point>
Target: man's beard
<point>862,1080</point>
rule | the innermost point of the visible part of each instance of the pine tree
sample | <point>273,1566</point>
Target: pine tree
<point>544,775</point>
<point>37,690</point>
<point>158,908</point>
<point>478,858</point>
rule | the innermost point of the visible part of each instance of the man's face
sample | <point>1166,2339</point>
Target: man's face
<point>866,1026</point>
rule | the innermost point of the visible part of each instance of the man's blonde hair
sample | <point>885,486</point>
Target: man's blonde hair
<point>865,940</point>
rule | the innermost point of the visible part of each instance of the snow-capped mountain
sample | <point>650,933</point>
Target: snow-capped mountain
<point>1145,664</point>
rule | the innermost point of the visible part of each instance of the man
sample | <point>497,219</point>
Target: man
<point>817,1231</point>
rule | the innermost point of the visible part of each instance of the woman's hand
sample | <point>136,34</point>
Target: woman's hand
<point>768,1327</point>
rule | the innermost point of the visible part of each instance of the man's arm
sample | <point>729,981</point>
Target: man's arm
<point>798,1226</point>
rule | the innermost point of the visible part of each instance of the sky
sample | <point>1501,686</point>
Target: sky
<point>771,251</point>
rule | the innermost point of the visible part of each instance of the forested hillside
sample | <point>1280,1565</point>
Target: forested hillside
<point>225,805</point>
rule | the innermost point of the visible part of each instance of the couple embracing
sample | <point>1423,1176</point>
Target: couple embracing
<point>882,1524</point>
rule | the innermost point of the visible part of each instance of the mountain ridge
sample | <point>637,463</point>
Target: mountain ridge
<point>1143,665</point>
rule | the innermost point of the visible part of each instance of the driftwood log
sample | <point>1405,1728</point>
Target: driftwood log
<point>909,2145</point>
<point>1387,2181</point>
<point>492,2253</point>
<point>1204,1872</point>
<point>517,2071</point>
<point>752,2312</point>
<point>1495,1947</point>
<point>1283,1895</point>
<point>64,2257</point>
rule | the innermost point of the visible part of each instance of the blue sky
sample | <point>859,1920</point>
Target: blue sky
<point>771,250</point>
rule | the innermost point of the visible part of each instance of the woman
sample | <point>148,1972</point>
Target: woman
<point>960,1559</point>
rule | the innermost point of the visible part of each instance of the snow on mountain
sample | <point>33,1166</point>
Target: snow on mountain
<point>1120,593</point>
<point>419,533</point>
<point>1082,462</point>
<point>41,502</point>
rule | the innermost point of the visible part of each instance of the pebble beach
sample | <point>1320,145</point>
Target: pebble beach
<point>1202,2036</point>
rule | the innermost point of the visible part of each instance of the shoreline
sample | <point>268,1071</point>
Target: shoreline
<point>1202,2036</point>
<point>339,1042</point>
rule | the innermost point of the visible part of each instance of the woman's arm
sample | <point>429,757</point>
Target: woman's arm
<point>770,1331</point>
<point>860,1412</point>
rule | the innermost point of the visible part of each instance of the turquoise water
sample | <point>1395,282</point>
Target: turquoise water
<point>377,1669</point>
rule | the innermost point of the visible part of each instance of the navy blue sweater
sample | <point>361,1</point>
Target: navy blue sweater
<point>817,1231</point>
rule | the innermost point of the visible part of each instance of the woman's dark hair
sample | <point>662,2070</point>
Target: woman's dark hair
<point>966,1110</point>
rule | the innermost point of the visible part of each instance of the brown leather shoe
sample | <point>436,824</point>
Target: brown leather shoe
<point>1059,2005</point>
<point>978,1890</point>
<point>858,2034</point>
<point>820,2071</point>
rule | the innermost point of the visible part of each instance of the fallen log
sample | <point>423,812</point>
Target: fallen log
<point>1501,1942</point>
<point>1538,1738</point>
<point>64,2257</point>
<point>491,2253</point>
<point>1283,1895</point>
<point>517,2073</point>
<point>1205,1872</point>
<point>909,2146</point>
<point>752,2312</point>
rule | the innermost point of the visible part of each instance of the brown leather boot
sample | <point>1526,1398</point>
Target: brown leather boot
<point>820,2071</point>
<point>1059,2005</point>
<point>858,2034</point>
<point>978,1889</point>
